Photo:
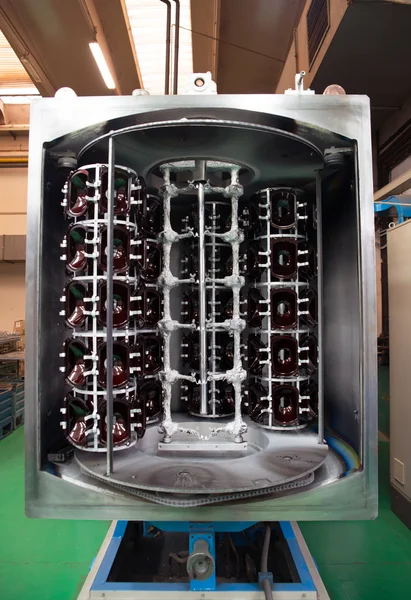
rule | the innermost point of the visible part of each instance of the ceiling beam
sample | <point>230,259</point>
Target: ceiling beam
<point>113,32</point>
<point>14,31</point>
<point>205,26</point>
<point>52,37</point>
<point>254,40</point>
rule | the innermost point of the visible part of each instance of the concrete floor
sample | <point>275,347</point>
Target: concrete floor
<point>49,560</point>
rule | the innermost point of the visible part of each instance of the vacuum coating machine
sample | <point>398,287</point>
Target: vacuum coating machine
<point>201,307</point>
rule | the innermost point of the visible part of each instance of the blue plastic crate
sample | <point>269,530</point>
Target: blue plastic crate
<point>6,398</point>
<point>18,404</point>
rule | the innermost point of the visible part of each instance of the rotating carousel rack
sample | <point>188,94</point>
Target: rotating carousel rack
<point>283,350</point>
<point>205,282</point>
<point>99,213</point>
<point>111,261</point>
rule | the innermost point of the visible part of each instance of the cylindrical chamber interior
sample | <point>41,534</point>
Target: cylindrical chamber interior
<point>216,296</point>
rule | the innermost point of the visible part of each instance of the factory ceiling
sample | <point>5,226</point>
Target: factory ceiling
<point>243,43</point>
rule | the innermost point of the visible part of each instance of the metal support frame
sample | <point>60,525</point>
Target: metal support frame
<point>109,338</point>
<point>204,537</point>
<point>93,227</point>
<point>202,299</point>
<point>237,427</point>
<point>97,585</point>
<point>320,294</point>
<point>267,285</point>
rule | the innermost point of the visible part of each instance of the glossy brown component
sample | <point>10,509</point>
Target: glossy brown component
<point>121,304</point>
<point>77,317</point>
<point>283,215</point>
<point>76,376</point>
<point>122,184</point>
<point>255,307</point>
<point>149,263</point>
<point>254,261</point>
<point>253,397</point>
<point>284,355</point>
<point>283,308</point>
<point>120,365</point>
<point>76,259</point>
<point>149,213</point>
<point>74,305</point>
<point>256,352</point>
<point>285,404</point>
<point>150,395</point>
<point>256,401</point>
<point>121,423</point>
<point>78,426</point>
<point>283,258</point>
<point>121,250</point>
<point>148,355</point>
<point>75,363</point>
<point>77,191</point>
<point>148,307</point>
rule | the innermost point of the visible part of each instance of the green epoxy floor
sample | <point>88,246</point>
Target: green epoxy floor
<point>49,560</point>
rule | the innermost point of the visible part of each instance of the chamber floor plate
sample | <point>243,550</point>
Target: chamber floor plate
<point>270,459</point>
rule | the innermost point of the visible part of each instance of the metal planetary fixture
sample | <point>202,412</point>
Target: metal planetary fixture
<point>202,308</point>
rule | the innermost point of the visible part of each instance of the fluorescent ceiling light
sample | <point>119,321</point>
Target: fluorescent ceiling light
<point>148,26</point>
<point>102,65</point>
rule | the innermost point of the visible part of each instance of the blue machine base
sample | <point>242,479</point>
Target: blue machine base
<point>104,583</point>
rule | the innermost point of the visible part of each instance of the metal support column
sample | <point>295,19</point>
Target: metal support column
<point>202,293</point>
<point>110,302</point>
<point>320,310</point>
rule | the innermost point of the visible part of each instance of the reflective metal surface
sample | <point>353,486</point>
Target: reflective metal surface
<point>268,460</point>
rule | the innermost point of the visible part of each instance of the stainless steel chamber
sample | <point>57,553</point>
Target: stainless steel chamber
<point>200,309</point>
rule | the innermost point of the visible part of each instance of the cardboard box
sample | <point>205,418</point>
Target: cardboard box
<point>19,327</point>
<point>22,343</point>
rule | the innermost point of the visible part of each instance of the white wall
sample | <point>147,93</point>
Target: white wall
<point>13,206</point>
<point>13,200</point>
